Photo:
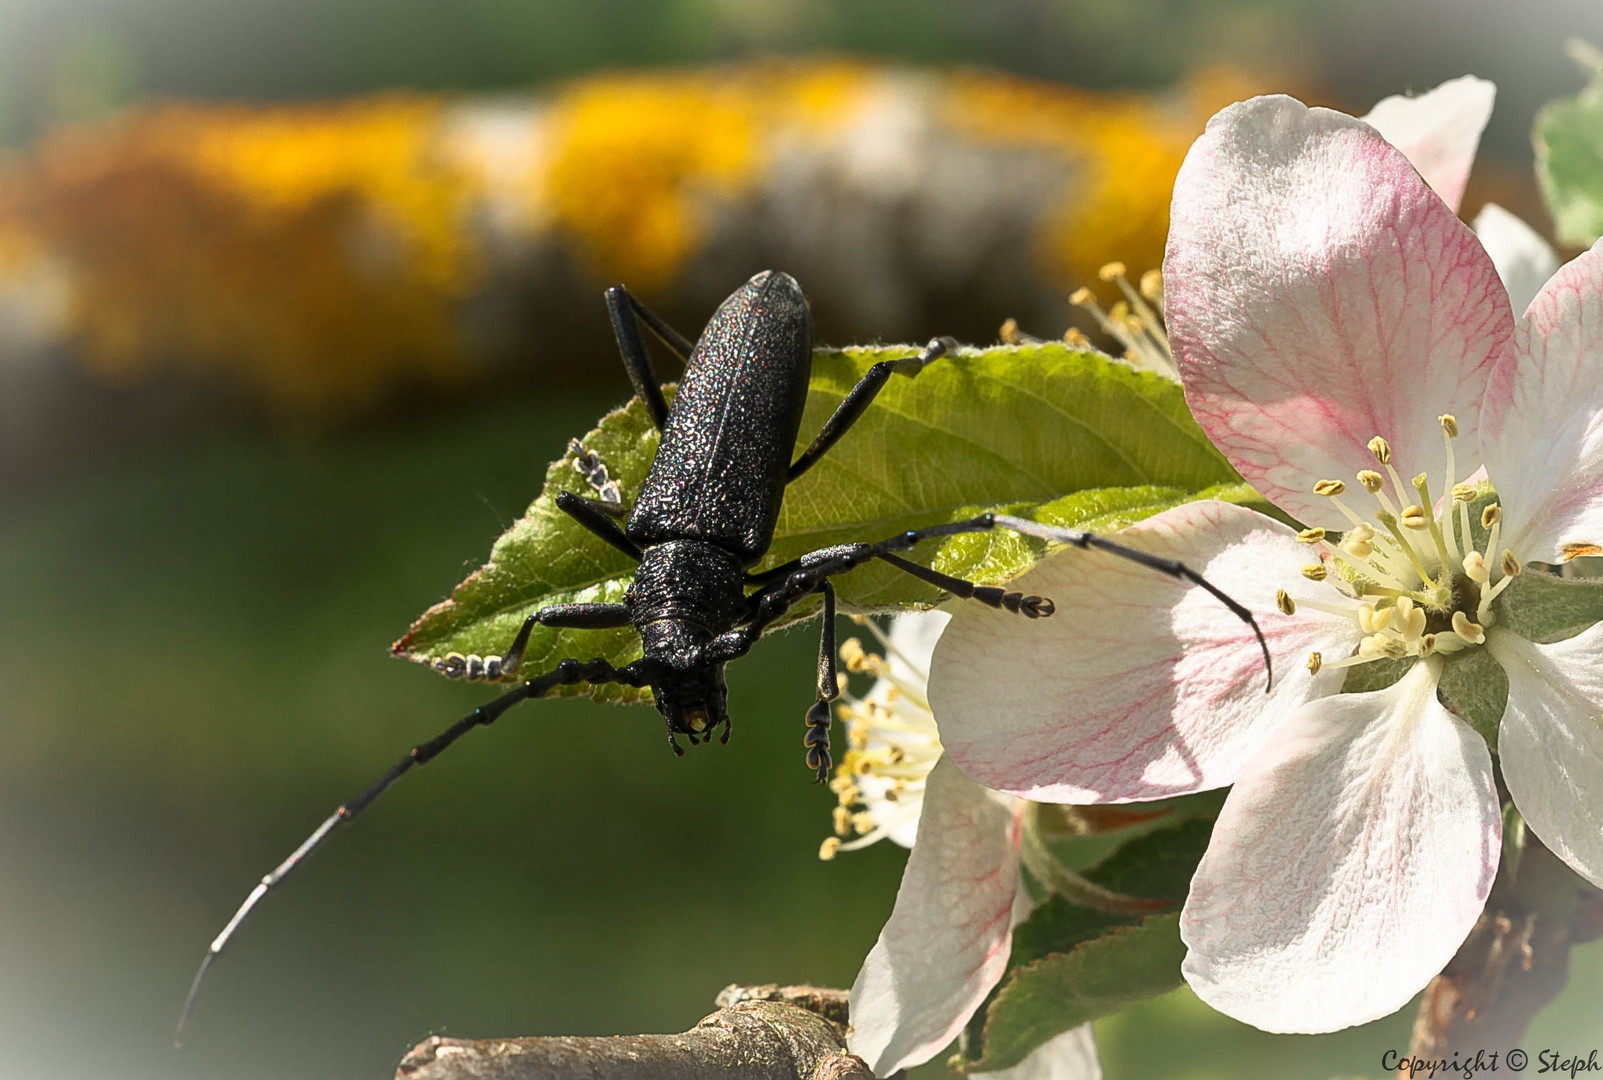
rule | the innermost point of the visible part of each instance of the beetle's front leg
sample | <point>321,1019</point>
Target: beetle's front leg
<point>569,616</point>
<point>819,716</point>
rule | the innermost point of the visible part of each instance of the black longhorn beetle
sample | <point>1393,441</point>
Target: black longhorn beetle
<point>703,518</point>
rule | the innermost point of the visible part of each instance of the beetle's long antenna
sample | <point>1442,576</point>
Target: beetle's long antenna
<point>565,673</point>
<point>1173,567</point>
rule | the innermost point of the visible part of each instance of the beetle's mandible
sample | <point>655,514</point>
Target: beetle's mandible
<point>702,520</point>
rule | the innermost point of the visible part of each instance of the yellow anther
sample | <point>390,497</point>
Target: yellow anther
<point>1357,541</point>
<point>1119,313</point>
<point>1311,536</point>
<point>1285,603</point>
<point>1009,333</point>
<point>1076,339</point>
<point>853,655</point>
<point>1419,482</point>
<point>1082,297</point>
<point>863,822</point>
<point>1413,626</point>
<point>1315,662</point>
<point>1371,480</point>
<point>1471,632</point>
<point>1509,564</point>
<point>1152,285</point>
<point>1370,646</point>
<point>843,821</point>
<point>1463,492</point>
<point>1372,620</point>
<point>1381,449</point>
<point>844,789</point>
<point>1449,424</point>
<point>1414,517</point>
<point>1491,515</point>
<point>829,848</point>
<point>1315,572</point>
<point>1329,488</point>
<point>1475,568</point>
<point>1112,271</point>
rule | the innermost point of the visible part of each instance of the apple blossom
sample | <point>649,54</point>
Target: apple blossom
<point>1333,323</point>
<point>949,937</point>
<point>1439,131</point>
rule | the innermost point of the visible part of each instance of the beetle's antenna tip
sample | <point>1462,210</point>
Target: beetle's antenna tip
<point>189,1001</point>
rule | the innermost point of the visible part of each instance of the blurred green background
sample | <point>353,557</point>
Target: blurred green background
<point>193,629</point>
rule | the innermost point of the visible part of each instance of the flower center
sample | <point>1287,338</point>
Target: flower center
<point>1409,574</point>
<point>892,746</point>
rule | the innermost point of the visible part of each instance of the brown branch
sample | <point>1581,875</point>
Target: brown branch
<point>1513,963</point>
<point>758,1033</point>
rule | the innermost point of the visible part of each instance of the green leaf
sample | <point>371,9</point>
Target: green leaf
<point>1076,438</point>
<point>1156,864</point>
<point>1095,978</point>
<point>1569,163</point>
<point>1547,608</point>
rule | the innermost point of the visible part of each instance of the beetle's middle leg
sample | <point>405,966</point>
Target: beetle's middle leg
<point>787,578</point>
<point>599,520</point>
<point>588,464</point>
<point>858,399</point>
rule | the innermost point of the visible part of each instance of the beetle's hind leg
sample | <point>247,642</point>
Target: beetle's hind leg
<point>818,717</point>
<point>627,314</point>
<point>861,396</point>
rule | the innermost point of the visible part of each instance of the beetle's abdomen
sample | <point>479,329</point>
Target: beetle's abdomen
<point>719,474</point>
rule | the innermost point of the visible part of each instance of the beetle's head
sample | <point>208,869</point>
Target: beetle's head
<point>689,690</point>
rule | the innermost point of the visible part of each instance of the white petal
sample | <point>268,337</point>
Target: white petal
<point>1141,686</point>
<point>913,636</point>
<point>1523,259</point>
<point>1319,294</point>
<point>1551,742</point>
<point>1439,131</point>
<point>1542,420</point>
<point>949,937</point>
<point>1349,863</point>
<point>1069,1056</point>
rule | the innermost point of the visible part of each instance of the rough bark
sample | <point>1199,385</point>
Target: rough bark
<point>758,1033</point>
<point>1513,963</point>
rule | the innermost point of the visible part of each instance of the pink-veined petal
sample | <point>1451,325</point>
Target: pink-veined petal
<point>1349,863</point>
<point>1439,131</point>
<point>1542,421</point>
<point>1069,1056</point>
<point>1141,686</point>
<point>1523,259</point>
<point>950,934</point>
<point>1319,294</point>
<point>1551,741</point>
